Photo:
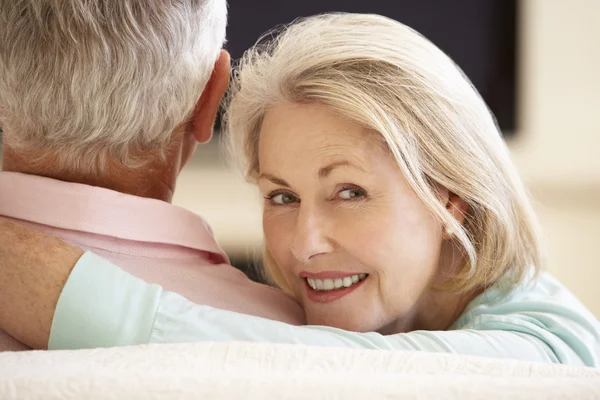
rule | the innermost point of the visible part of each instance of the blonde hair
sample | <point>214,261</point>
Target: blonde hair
<point>82,79</point>
<point>387,77</point>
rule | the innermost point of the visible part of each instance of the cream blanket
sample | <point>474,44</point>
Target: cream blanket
<point>267,371</point>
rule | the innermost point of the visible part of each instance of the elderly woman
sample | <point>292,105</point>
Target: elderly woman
<point>390,199</point>
<point>392,212</point>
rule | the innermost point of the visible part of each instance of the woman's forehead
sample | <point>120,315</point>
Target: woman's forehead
<point>314,140</point>
<point>313,128</point>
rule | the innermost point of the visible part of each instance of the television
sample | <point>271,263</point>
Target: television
<point>479,35</point>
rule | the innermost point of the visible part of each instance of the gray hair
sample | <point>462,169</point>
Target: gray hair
<point>82,80</point>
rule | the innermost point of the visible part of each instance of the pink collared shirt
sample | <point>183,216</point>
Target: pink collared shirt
<point>156,241</point>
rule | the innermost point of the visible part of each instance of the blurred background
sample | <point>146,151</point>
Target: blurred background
<point>536,63</point>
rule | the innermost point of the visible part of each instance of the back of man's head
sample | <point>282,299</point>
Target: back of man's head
<point>85,79</point>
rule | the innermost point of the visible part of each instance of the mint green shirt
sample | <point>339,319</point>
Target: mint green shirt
<point>103,306</point>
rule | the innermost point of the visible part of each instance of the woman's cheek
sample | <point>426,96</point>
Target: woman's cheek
<point>367,242</point>
<point>278,236</point>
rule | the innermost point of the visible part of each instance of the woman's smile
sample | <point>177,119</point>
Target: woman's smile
<point>326,287</point>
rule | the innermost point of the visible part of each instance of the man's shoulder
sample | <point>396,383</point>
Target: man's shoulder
<point>96,217</point>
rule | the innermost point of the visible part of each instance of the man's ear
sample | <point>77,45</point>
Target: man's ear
<point>207,107</point>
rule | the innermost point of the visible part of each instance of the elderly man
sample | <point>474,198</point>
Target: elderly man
<point>102,104</point>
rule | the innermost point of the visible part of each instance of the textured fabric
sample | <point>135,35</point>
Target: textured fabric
<point>541,322</point>
<point>153,240</point>
<point>270,371</point>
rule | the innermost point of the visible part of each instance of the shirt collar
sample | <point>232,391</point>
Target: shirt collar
<point>102,211</point>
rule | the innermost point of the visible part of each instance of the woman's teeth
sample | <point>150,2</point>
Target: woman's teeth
<point>324,285</point>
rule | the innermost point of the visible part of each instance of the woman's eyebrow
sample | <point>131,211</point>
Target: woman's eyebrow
<point>325,171</point>
<point>274,179</point>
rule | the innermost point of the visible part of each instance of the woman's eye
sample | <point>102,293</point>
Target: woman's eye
<point>349,194</point>
<point>283,198</point>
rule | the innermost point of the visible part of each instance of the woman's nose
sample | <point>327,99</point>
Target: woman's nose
<point>311,236</point>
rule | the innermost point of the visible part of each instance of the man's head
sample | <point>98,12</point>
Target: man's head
<point>88,82</point>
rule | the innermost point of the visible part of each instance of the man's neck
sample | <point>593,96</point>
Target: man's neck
<point>155,180</point>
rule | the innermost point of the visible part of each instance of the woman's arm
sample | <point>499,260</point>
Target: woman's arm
<point>102,305</point>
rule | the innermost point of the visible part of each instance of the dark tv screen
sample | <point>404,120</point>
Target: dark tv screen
<point>480,35</point>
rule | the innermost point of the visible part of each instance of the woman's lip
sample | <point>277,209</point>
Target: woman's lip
<point>331,295</point>
<point>328,275</point>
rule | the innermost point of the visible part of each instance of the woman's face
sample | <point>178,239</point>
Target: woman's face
<point>356,245</point>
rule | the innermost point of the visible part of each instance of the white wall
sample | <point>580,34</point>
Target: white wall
<point>560,86</point>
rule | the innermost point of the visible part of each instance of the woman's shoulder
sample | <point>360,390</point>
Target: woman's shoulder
<point>542,293</point>
<point>541,307</point>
